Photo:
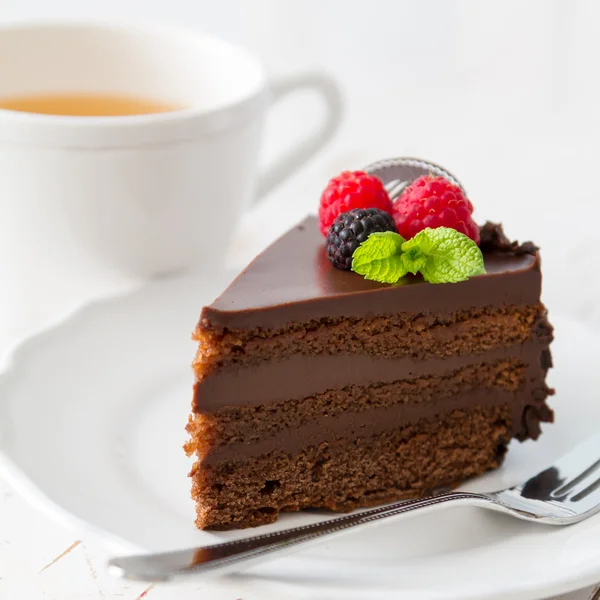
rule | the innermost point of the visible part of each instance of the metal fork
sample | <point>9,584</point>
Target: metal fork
<point>397,173</point>
<point>564,493</point>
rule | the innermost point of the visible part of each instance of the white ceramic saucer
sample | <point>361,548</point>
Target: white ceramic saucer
<point>92,417</point>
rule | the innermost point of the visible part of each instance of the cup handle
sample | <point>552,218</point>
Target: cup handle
<point>297,156</point>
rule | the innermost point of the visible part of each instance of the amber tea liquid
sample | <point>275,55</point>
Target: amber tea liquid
<point>86,105</point>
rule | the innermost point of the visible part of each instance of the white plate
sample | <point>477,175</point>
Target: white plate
<point>91,427</point>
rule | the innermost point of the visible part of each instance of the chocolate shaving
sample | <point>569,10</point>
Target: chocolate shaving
<point>493,239</point>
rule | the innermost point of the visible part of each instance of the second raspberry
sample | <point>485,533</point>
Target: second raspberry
<point>434,202</point>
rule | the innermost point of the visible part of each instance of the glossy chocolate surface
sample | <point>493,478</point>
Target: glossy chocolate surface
<point>293,281</point>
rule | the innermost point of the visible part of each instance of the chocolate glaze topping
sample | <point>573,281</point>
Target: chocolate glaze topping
<point>293,281</point>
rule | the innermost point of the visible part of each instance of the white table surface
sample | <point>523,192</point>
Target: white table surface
<point>502,93</point>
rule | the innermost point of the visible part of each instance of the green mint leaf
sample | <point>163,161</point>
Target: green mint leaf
<point>442,255</point>
<point>380,258</point>
<point>414,260</point>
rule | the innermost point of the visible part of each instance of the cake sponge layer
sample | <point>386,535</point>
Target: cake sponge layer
<point>344,474</point>
<point>417,335</point>
<point>353,405</point>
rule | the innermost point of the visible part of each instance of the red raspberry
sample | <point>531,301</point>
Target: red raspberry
<point>349,190</point>
<point>434,202</point>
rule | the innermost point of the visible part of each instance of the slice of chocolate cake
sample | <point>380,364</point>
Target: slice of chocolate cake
<point>318,388</point>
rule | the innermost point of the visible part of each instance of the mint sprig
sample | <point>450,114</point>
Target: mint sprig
<point>379,257</point>
<point>441,255</point>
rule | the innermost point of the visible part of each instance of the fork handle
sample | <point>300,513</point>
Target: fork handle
<point>229,556</point>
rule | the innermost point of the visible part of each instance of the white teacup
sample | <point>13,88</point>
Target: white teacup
<point>137,193</point>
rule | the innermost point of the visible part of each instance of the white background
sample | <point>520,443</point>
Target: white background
<point>502,93</point>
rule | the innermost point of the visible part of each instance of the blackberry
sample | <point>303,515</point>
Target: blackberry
<point>350,229</point>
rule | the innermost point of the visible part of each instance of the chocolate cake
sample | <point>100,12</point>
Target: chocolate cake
<point>316,387</point>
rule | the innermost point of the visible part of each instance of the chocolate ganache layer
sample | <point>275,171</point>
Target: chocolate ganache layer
<point>373,422</point>
<point>355,421</point>
<point>301,376</point>
<point>293,281</point>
